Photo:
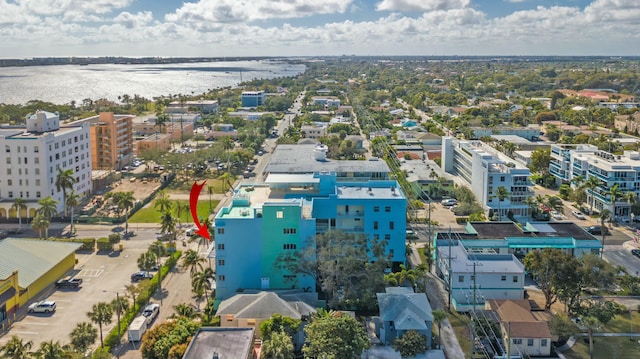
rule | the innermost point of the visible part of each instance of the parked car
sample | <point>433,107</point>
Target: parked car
<point>449,202</point>
<point>138,276</point>
<point>578,215</point>
<point>636,252</point>
<point>191,231</point>
<point>557,215</point>
<point>597,230</point>
<point>151,312</point>
<point>45,306</point>
<point>69,282</point>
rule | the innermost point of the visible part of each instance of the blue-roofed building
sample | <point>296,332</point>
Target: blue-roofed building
<point>402,310</point>
<point>285,215</point>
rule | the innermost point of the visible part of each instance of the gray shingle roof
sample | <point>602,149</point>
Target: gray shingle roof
<point>31,258</point>
<point>262,305</point>
<point>406,310</point>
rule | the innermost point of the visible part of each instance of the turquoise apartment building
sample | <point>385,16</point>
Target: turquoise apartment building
<point>286,213</point>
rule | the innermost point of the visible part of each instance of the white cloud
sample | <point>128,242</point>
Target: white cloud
<point>237,11</point>
<point>131,21</point>
<point>421,5</point>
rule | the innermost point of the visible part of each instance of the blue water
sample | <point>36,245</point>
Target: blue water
<point>65,83</point>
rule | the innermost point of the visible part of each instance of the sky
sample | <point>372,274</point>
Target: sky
<point>218,28</point>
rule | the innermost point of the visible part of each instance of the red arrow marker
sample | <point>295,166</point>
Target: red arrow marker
<point>202,231</point>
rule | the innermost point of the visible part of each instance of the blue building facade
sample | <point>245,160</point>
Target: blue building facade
<point>263,222</point>
<point>252,98</point>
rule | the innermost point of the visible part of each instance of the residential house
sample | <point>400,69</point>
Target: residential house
<point>326,101</point>
<point>628,123</point>
<point>221,343</point>
<point>402,310</point>
<point>524,331</point>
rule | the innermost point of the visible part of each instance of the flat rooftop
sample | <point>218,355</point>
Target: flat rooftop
<point>226,342</point>
<point>369,192</point>
<point>462,262</point>
<point>502,230</point>
<point>301,159</point>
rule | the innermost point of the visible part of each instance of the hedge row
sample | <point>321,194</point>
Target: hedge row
<point>143,298</point>
<point>88,244</point>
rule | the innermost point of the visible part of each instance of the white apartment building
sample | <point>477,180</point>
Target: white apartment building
<point>32,156</point>
<point>485,170</point>
<point>314,131</point>
<point>571,161</point>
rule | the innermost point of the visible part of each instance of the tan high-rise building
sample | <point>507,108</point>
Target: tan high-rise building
<point>111,140</point>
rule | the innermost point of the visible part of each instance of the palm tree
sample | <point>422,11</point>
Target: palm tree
<point>591,183</point>
<point>184,310</point>
<point>400,278</point>
<point>101,314</point>
<point>168,224</point>
<point>555,204</point>
<point>210,190</point>
<point>278,346</point>
<point>614,194</point>
<point>72,202</point>
<point>132,291</point>
<point>531,202</point>
<point>439,316</point>
<point>501,194</point>
<point>16,348</point>
<point>50,350</point>
<point>180,208</point>
<point>65,181</point>
<point>201,282</point>
<point>592,325</point>
<point>19,206</point>
<point>125,201</point>
<point>159,249</point>
<point>120,306</point>
<point>631,198</point>
<point>191,259</point>
<point>48,209</point>
<point>83,336</point>
<point>39,223</point>
<point>162,202</point>
<point>147,261</point>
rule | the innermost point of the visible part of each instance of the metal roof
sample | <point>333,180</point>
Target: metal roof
<point>32,258</point>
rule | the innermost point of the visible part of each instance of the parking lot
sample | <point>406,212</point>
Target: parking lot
<point>103,275</point>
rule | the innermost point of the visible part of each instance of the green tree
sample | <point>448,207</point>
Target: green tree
<point>162,203</point>
<point>47,209</point>
<point>410,344</point>
<point>614,195</point>
<point>184,310</point>
<point>562,326</point>
<point>439,316</point>
<point>19,205</point>
<point>101,314</point>
<point>50,350</point>
<point>39,223</point>
<point>147,261</point>
<point>201,282</point>
<point>592,324</point>
<point>133,291</point>
<point>180,208</point>
<point>502,193</point>
<point>168,225</point>
<point>120,305</point>
<point>554,203</point>
<point>591,183</point>
<point>16,348</point>
<point>540,160</point>
<point>335,337</point>
<point>125,202</point>
<point>83,336</point>
<point>158,341</point>
<point>278,346</point>
<point>191,259</point>
<point>210,190</point>
<point>278,323</point>
<point>401,277</point>
<point>547,267</point>
<point>73,199</point>
<point>64,182</point>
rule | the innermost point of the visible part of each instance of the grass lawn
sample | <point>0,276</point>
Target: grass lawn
<point>610,347</point>
<point>185,186</point>
<point>151,215</point>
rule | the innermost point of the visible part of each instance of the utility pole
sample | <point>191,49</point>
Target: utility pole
<point>450,272</point>
<point>118,316</point>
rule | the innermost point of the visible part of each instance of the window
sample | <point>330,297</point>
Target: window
<point>37,170</point>
<point>8,160</point>
<point>9,171</point>
<point>460,278</point>
<point>220,262</point>
<point>387,236</point>
<point>279,214</point>
<point>376,208</point>
<point>251,322</point>
<point>387,208</point>
<point>10,182</point>
<point>504,278</point>
<point>289,246</point>
<point>289,230</point>
<point>375,224</point>
<point>220,246</point>
<point>501,178</point>
<point>25,160</point>
<point>529,342</point>
<point>220,230</point>
<point>515,279</point>
<point>10,194</point>
<point>221,279</point>
<point>391,225</point>
<point>517,341</point>
<point>543,342</point>
<point>35,149</point>
<point>7,149</point>
<point>473,277</point>
<point>38,194</point>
